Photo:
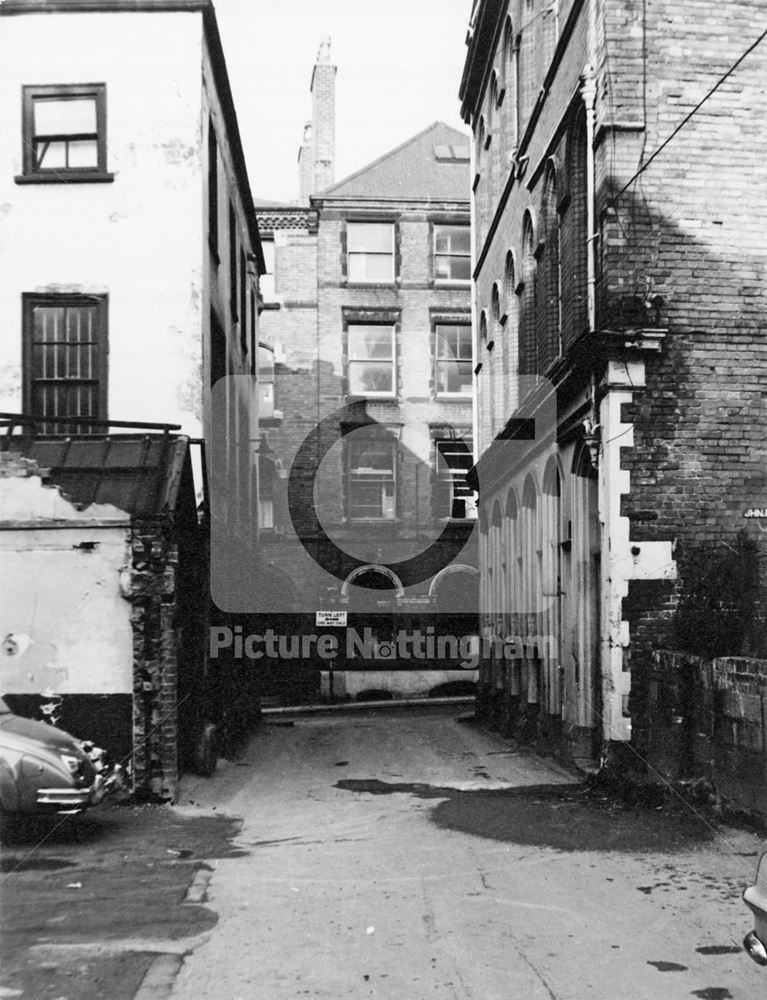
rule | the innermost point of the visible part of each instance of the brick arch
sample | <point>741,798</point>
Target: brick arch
<point>512,506</point>
<point>449,571</point>
<point>552,477</point>
<point>582,464</point>
<point>530,492</point>
<point>373,568</point>
<point>496,518</point>
<point>495,303</point>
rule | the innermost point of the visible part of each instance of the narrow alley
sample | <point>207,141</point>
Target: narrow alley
<point>389,853</point>
<point>411,855</point>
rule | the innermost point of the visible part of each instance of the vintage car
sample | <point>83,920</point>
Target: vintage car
<point>755,898</point>
<point>43,769</point>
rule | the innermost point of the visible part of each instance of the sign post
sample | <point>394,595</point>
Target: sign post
<point>330,619</point>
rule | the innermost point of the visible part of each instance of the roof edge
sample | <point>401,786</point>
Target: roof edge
<point>111,6</point>
<point>217,59</point>
<point>384,156</point>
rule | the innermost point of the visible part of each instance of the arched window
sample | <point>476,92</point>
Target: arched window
<point>574,259</point>
<point>494,163</point>
<point>511,335</point>
<point>529,568</point>
<point>526,62</point>
<point>549,298</point>
<point>528,347</point>
<point>547,26</point>
<point>498,367</point>
<point>480,192</point>
<point>551,611</point>
<point>485,383</point>
<point>509,78</point>
<point>495,310</point>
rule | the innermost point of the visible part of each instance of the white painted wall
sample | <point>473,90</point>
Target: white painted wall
<point>64,624</point>
<point>140,238</point>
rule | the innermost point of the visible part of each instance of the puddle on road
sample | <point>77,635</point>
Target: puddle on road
<point>564,817</point>
<point>719,949</point>
<point>32,863</point>
<point>669,966</point>
<point>374,786</point>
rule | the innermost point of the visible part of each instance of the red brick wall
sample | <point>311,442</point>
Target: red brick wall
<point>690,230</point>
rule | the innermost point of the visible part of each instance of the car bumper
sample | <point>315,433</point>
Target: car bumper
<point>70,800</point>
<point>755,948</point>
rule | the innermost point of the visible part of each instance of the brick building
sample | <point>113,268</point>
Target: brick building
<point>129,251</point>
<point>619,203</point>
<point>368,319</point>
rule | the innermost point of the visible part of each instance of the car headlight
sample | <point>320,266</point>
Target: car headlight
<point>72,762</point>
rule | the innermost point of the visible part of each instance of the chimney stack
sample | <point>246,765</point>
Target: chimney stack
<point>319,142</point>
<point>305,165</point>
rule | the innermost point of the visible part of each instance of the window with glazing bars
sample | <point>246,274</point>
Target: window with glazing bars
<point>371,360</point>
<point>64,131</point>
<point>454,459</point>
<point>452,253</point>
<point>371,465</point>
<point>453,359</point>
<point>370,251</point>
<point>65,359</point>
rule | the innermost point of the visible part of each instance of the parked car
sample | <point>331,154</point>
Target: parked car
<point>755,898</point>
<point>43,769</point>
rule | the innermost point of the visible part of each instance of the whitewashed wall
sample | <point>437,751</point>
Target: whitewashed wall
<point>140,238</point>
<point>65,625</point>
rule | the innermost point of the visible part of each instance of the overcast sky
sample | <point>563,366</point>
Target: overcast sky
<point>399,69</point>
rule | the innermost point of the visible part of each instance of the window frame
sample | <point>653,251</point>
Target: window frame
<point>440,360</point>
<point>265,380</point>
<point>451,255</point>
<point>213,202</point>
<point>353,478</point>
<point>354,325</point>
<point>446,473</point>
<point>31,172</point>
<point>355,253</point>
<point>32,300</point>
<point>233,264</point>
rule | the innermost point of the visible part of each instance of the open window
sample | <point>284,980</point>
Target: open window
<point>454,459</point>
<point>64,133</point>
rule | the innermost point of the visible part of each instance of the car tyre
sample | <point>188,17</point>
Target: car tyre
<point>207,752</point>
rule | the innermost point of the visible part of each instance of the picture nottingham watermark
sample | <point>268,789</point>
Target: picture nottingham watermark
<point>404,646</point>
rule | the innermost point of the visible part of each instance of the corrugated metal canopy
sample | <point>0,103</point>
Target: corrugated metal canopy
<point>140,474</point>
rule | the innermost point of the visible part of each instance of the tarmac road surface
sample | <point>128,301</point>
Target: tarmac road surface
<point>407,855</point>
